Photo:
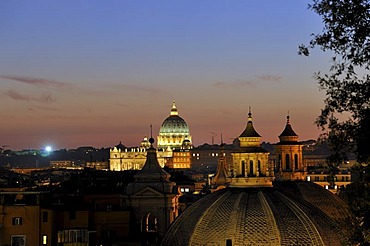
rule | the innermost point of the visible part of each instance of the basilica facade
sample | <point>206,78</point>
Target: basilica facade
<point>173,147</point>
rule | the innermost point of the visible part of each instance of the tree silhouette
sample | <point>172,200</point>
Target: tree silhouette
<point>346,35</point>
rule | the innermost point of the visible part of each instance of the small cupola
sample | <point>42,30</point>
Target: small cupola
<point>288,134</point>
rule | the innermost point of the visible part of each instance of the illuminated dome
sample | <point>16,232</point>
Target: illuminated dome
<point>294,213</point>
<point>174,130</point>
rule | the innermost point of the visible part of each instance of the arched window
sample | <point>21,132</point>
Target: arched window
<point>287,161</point>
<point>148,223</point>
<point>295,161</point>
<point>243,168</point>
<point>251,170</point>
<point>278,162</point>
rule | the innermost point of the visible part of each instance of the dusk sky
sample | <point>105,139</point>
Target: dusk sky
<point>93,73</point>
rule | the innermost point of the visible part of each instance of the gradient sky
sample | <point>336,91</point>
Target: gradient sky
<point>77,73</point>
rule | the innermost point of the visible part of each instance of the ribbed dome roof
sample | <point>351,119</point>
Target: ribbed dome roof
<point>294,214</point>
<point>174,124</point>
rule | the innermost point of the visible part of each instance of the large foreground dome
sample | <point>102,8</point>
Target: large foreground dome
<point>291,213</point>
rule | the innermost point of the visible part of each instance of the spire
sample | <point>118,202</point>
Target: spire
<point>250,115</point>
<point>221,174</point>
<point>151,139</point>
<point>151,170</point>
<point>288,134</point>
<point>174,109</point>
<point>249,130</point>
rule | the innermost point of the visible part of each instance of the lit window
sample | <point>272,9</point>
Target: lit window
<point>44,239</point>
<point>187,189</point>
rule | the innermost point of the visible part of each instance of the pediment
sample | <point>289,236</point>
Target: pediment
<point>147,192</point>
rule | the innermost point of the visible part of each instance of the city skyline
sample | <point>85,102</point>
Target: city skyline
<point>78,73</point>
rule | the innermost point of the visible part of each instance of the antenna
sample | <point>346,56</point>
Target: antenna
<point>213,137</point>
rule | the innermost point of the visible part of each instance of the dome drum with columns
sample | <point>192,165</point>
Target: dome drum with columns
<point>251,166</point>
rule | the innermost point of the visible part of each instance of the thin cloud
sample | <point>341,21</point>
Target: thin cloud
<point>38,81</point>
<point>273,78</point>
<point>48,109</point>
<point>45,98</point>
<point>135,88</point>
<point>237,83</point>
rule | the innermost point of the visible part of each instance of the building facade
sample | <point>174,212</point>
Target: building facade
<point>173,148</point>
<point>289,156</point>
<point>250,164</point>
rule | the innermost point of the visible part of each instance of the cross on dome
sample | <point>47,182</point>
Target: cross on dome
<point>174,109</point>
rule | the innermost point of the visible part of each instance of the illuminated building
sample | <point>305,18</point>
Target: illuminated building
<point>249,209</point>
<point>250,164</point>
<point>134,158</point>
<point>174,145</point>
<point>289,162</point>
<point>174,132</point>
<point>24,220</point>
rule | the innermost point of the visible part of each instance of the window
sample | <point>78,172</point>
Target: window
<point>44,240</point>
<point>45,216</point>
<point>73,236</point>
<point>17,221</point>
<point>295,161</point>
<point>18,240</point>
<point>251,167</point>
<point>287,161</point>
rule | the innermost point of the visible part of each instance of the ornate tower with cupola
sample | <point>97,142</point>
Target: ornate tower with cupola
<point>289,160</point>
<point>250,165</point>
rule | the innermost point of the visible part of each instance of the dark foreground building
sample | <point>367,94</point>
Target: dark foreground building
<point>290,213</point>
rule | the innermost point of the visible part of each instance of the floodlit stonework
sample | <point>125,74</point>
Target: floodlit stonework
<point>174,143</point>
